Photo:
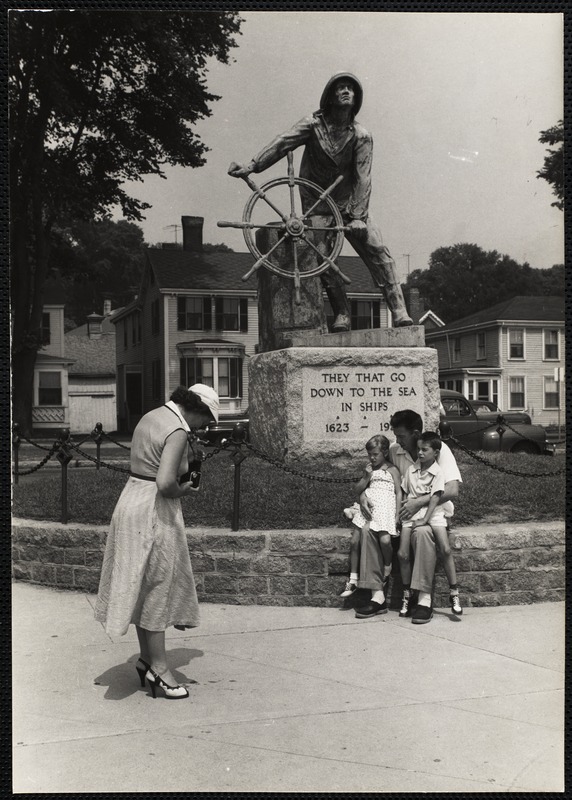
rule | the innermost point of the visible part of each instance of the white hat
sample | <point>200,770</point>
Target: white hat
<point>208,397</point>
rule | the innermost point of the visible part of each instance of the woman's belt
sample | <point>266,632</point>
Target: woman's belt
<point>142,477</point>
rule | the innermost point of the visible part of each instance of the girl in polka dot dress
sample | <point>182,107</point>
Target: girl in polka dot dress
<point>382,484</point>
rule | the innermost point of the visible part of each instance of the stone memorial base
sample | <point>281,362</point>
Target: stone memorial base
<point>321,404</point>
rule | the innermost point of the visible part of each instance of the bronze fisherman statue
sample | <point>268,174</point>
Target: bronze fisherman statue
<point>336,144</point>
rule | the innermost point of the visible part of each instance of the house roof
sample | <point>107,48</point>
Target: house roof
<point>431,315</point>
<point>182,269</point>
<point>92,356</point>
<point>522,308</point>
<point>44,358</point>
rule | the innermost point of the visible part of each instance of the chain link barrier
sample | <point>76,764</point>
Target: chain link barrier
<point>95,460</point>
<point>64,446</point>
<point>111,439</point>
<point>497,467</point>
<point>52,451</point>
<point>514,430</point>
<point>234,444</point>
<point>285,468</point>
<point>478,430</point>
<point>35,444</point>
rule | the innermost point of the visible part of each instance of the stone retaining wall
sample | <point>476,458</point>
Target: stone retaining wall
<point>496,564</point>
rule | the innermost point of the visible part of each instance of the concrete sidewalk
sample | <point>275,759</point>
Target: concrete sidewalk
<point>290,700</point>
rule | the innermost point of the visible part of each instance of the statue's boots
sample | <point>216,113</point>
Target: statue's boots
<point>396,303</point>
<point>342,322</point>
<point>339,302</point>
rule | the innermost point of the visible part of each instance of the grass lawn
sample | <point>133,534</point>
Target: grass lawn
<point>271,498</point>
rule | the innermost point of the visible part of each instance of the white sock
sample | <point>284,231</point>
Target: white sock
<point>424,599</point>
<point>378,597</point>
<point>353,577</point>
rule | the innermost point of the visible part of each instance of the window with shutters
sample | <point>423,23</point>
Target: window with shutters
<point>231,314</point>
<point>194,314</point>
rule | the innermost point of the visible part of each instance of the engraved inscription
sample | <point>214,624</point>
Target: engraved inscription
<point>357,402</point>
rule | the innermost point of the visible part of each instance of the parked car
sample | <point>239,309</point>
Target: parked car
<point>486,407</point>
<point>478,430</point>
<point>215,432</point>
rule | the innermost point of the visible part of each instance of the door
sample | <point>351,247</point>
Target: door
<point>133,398</point>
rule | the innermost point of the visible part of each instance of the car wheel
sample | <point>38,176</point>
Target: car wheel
<point>528,448</point>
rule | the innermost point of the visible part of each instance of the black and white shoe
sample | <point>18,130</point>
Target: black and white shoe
<point>455,602</point>
<point>405,605</point>
<point>349,590</point>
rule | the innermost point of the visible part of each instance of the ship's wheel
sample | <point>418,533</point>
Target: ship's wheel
<point>294,229</point>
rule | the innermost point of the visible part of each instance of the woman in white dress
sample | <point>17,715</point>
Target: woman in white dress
<point>146,577</point>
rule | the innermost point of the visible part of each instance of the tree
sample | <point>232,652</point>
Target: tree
<point>463,278</point>
<point>553,170</point>
<point>96,98</point>
<point>97,261</point>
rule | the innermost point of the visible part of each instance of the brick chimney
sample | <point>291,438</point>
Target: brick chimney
<point>415,304</point>
<point>106,308</point>
<point>193,234</point>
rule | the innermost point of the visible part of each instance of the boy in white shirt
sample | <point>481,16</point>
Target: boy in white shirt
<point>422,478</point>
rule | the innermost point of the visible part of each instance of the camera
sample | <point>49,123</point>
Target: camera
<point>193,474</point>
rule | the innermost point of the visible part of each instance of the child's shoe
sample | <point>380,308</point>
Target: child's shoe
<point>405,605</point>
<point>349,590</point>
<point>351,511</point>
<point>455,602</point>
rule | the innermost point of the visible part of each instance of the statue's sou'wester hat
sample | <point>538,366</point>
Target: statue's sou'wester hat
<point>326,98</point>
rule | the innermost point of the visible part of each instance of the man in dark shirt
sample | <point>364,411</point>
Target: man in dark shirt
<point>336,144</point>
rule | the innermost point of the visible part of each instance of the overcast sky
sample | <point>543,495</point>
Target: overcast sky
<point>455,104</point>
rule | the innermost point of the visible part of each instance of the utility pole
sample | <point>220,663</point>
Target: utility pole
<point>172,227</point>
<point>407,256</point>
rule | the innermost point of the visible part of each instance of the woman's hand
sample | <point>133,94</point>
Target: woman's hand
<point>186,489</point>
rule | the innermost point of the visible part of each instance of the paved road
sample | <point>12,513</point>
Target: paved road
<point>290,700</point>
